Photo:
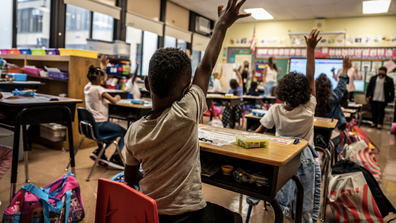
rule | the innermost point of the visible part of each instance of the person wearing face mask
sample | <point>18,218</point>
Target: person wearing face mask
<point>380,92</point>
<point>270,75</point>
<point>245,73</point>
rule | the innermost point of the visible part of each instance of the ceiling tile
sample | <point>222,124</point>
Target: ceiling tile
<point>324,11</point>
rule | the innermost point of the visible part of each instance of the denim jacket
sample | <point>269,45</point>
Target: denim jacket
<point>335,109</point>
<point>310,176</point>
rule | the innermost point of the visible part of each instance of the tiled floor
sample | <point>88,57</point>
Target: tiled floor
<point>46,165</point>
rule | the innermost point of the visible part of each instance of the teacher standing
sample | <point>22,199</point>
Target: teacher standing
<point>270,75</point>
<point>245,73</point>
<point>380,92</point>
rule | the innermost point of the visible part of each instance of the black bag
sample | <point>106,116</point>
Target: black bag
<point>346,166</point>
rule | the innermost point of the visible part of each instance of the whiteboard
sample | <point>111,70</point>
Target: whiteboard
<point>228,74</point>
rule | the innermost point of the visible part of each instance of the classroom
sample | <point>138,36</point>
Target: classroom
<point>197,111</point>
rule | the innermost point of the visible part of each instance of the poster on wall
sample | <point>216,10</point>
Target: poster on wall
<point>228,74</point>
<point>375,40</point>
<point>369,75</point>
<point>375,66</point>
<point>269,41</point>
<point>340,41</point>
<point>357,64</point>
<point>298,41</point>
<point>393,40</point>
<point>225,54</point>
<point>366,66</point>
<point>242,41</point>
<point>324,41</point>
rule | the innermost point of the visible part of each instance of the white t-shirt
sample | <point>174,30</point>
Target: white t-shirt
<point>296,123</point>
<point>379,93</point>
<point>216,85</point>
<point>272,74</point>
<point>95,103</point>
<point>133,89</point>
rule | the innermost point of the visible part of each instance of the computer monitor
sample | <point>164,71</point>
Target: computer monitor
<point>321,66</point>
<point>359,85</point>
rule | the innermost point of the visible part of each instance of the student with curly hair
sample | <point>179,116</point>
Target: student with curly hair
<point>237,90</point>
<point>295,117</point>
<point>329,101</point>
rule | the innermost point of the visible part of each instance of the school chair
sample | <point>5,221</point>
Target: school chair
<point>88,128</point>
<point>118,202</point>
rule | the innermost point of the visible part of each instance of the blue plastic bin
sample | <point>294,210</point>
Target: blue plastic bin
<point>58,75</point>
<point>25,51</point>
<point>18,77</point>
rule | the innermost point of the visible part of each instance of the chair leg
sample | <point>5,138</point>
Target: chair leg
<point>75,153</point>
<point>240,203</point>
<point>119,152</point>
<point>249,213</point>
<point>26,161</point>
<point>97,160</point>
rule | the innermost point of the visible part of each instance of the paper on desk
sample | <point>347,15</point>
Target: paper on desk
<point>322,119</point>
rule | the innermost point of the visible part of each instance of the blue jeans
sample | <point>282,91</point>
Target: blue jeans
<point>110,128</point>
<point>269,87</point>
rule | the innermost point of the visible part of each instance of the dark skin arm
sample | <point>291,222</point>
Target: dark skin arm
<point>261,129</point>
<point>133,175</point>
<point>227,16</point>
<point>312,40</point>
<point>240,81</point>
<point>134,75</point>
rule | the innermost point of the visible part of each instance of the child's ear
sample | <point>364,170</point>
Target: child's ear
<point>146,84</point>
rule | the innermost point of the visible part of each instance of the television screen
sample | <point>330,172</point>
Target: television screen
<point>321,66</point>
<point>359,85</point>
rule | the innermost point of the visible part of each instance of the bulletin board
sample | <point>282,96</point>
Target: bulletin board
<point>282,63</point>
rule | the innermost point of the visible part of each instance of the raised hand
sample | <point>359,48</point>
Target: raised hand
<point>231,13</point>
<point>137,62</point>
<point>312,40</point>
<point>103,62</point>
<point>346,64</point>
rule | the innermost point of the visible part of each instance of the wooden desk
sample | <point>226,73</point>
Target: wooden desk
<point>269,100</point>
<point>223,101</point>
<point>10,107</point>
<point>279,163</point>
<point>220,92</point>
<point>21,84</point>
<point>121,93</point>
<point>359,110</point>
<point>125,110</point>
<point>253,100</point>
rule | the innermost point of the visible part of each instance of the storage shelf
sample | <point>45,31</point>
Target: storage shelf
<point>48,78</point>
<point>12,56</point>
<point>48,58</point>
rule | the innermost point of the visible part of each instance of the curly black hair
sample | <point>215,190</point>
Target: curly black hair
<point>323,93</point>
<point>294,89</point>
<point>94,73</point>
<point>234,85</point>
<point>169,69</point>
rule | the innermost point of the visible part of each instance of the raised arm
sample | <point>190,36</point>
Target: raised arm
<point>103,62</point>
<point>134,75</point>
<point>312,40</point>
<point>279,71</point>
<point>227,17</point>
<point>239,77</point>
<point>221,71</point>
<point>339,92</point>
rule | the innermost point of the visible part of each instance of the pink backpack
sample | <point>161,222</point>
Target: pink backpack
<point>57,202</point>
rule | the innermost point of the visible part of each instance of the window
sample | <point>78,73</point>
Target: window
<point>196,58</point>
<point>78,23</point>
<point>33,21</point>
<point>182,44</point>
<point>102,27</point>
<point>150,44</point>
<point>134,37</point>
<point>169,42</point>
<point>6,25</point>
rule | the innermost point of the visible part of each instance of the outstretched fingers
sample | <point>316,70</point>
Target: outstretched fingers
<point>220,9</point>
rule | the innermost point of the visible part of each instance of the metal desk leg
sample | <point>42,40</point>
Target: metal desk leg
<point>300,199</point>
<point>278,211</point>
<point>326,168</point>
<point>333,153</point>
<point>15,154</point>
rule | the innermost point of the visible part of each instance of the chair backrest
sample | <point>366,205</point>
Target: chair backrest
<point>117,202</point>
<point>360,99</point>
<point>87,125</point>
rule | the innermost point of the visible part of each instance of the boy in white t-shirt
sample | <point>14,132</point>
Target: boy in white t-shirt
<point>216,80</point>
<point>295,118</point>
<point>96,101</point>
<point>131,85</point>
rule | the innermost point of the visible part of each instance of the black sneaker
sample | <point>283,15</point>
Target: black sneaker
<point>116,162</point>
<point>102,161</point>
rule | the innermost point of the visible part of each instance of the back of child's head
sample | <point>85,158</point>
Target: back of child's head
<point>234,85</point>
<point>169,69</point>
<point>215,75</point>
<point>94,73</point>
<point>293,89</point>
<point>323,93</point>
<point>253,85</point>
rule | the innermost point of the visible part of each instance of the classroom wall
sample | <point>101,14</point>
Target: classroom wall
<point>150,9</point>
<point>379,25</point>
<point>177,16</point>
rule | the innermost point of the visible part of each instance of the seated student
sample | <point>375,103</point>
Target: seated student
<point>237,90</point>
<point>165,141</point>
<point>131,85</point>
<point>295,118</point>
<point>216,80</point>
<point>329,101</point>
<point>96,99</point>
<point>253,89</point>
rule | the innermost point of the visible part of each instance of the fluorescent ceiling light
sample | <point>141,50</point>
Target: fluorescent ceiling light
<point>259,13</point>
<point>371,7</point>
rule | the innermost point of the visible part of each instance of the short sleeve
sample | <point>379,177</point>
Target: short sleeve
<point>268,121</point>
<point>192,105</point>
<point>101,90</point>
<point>130,158</point>
<point>311,104</point>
